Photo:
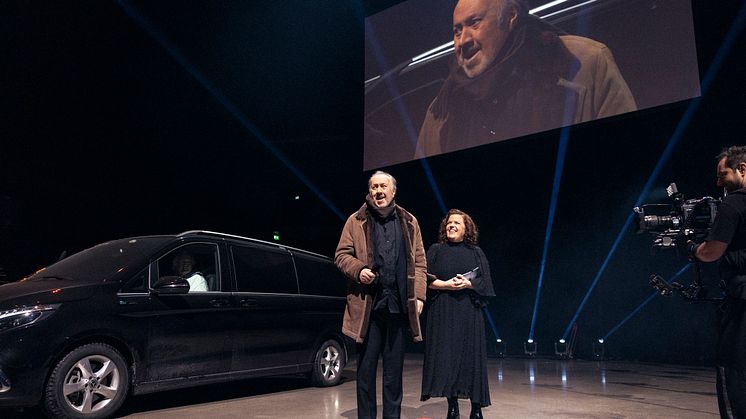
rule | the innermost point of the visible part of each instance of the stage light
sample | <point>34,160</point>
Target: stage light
<point>530,348</point>
<point>599,350</point>
<point>562,349</point>
<point>500,348</point>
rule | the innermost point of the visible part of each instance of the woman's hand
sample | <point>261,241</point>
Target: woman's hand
<point>457,282</point>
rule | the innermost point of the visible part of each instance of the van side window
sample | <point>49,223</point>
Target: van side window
<point>197,263</point>
<point>317,276</point>
<point>264,270</point>
<point>138,283</point>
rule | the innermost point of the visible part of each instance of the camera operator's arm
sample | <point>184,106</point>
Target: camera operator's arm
<point>721,234</point>
<point>710,250</point>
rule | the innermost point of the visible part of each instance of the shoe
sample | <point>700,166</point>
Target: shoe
<point>453,409</point>
<point>476,412</point>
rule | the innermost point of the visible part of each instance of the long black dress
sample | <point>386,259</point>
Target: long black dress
<point>455,342</point>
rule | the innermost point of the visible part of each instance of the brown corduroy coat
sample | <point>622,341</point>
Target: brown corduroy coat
<point>355,252</point>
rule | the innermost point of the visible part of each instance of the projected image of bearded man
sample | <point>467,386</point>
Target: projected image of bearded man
<point>514,75</point>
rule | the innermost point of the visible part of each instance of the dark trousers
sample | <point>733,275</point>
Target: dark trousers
<point>731,359</point>
<point>731,386</point>
<point>386,334</point>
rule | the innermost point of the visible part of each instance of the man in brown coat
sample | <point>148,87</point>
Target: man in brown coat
<point>516,75</point>
<point>381,253</point>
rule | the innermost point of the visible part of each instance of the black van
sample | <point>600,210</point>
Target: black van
<point>152,313</point>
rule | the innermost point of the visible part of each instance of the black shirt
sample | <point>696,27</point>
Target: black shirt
<point>389,265</point>
<point>730,227</point>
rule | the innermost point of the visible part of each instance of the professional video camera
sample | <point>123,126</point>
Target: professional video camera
<point>680,221</point>
<point>674,225</point>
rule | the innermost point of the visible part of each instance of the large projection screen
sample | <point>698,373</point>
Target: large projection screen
<point>570,62</point>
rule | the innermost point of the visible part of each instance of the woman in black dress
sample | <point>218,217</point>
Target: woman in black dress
<point>455,343</point>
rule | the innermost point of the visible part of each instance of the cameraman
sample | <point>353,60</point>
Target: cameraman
<point>726,241</point>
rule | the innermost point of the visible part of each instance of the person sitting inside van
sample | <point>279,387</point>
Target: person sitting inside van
<point>183,265</point>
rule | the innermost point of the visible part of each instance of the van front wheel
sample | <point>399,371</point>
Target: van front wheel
<point>90,382</point>
<point>328,364</point>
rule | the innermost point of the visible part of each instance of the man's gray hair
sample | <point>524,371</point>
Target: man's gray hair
<point>733,155</point>
<point>504,5</point>
<point>381,172</point>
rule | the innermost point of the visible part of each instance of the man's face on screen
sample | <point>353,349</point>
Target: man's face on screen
<point>478,34</point>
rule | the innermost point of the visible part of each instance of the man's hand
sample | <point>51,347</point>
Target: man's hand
<point>420,306</point>
<point>710,250</point>
<point>367,276</point>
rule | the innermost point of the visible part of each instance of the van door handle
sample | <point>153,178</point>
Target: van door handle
<point>248,302</point>
<point>219,302</point>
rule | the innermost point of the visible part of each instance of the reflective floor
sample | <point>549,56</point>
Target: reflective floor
<point>520,388</point>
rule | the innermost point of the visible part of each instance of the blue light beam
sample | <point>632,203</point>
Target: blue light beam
<point>180,58</point>
<point>717,62</point>
<point>558,168</point>
<point>569,111</point>
<point>491,322</point>
<point>644,303</point>
<point>370,35</point>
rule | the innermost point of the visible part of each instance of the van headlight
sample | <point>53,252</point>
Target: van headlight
<point>24,316</point>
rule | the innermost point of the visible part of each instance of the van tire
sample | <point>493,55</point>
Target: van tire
<point>103,381</point>
<point>328,364</point>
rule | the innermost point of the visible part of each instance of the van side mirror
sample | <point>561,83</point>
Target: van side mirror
<point>171,285</point>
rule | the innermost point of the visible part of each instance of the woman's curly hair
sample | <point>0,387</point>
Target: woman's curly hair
<point>470,234</point>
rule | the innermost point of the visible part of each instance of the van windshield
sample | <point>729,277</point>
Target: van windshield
<point>102,262</point>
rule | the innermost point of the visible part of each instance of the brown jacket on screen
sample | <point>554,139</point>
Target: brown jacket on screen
<point>547,84</point>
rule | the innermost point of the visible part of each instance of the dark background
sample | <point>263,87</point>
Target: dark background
<point>132,118</point>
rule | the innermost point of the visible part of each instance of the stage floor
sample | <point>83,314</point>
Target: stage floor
<point>520,388</point>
